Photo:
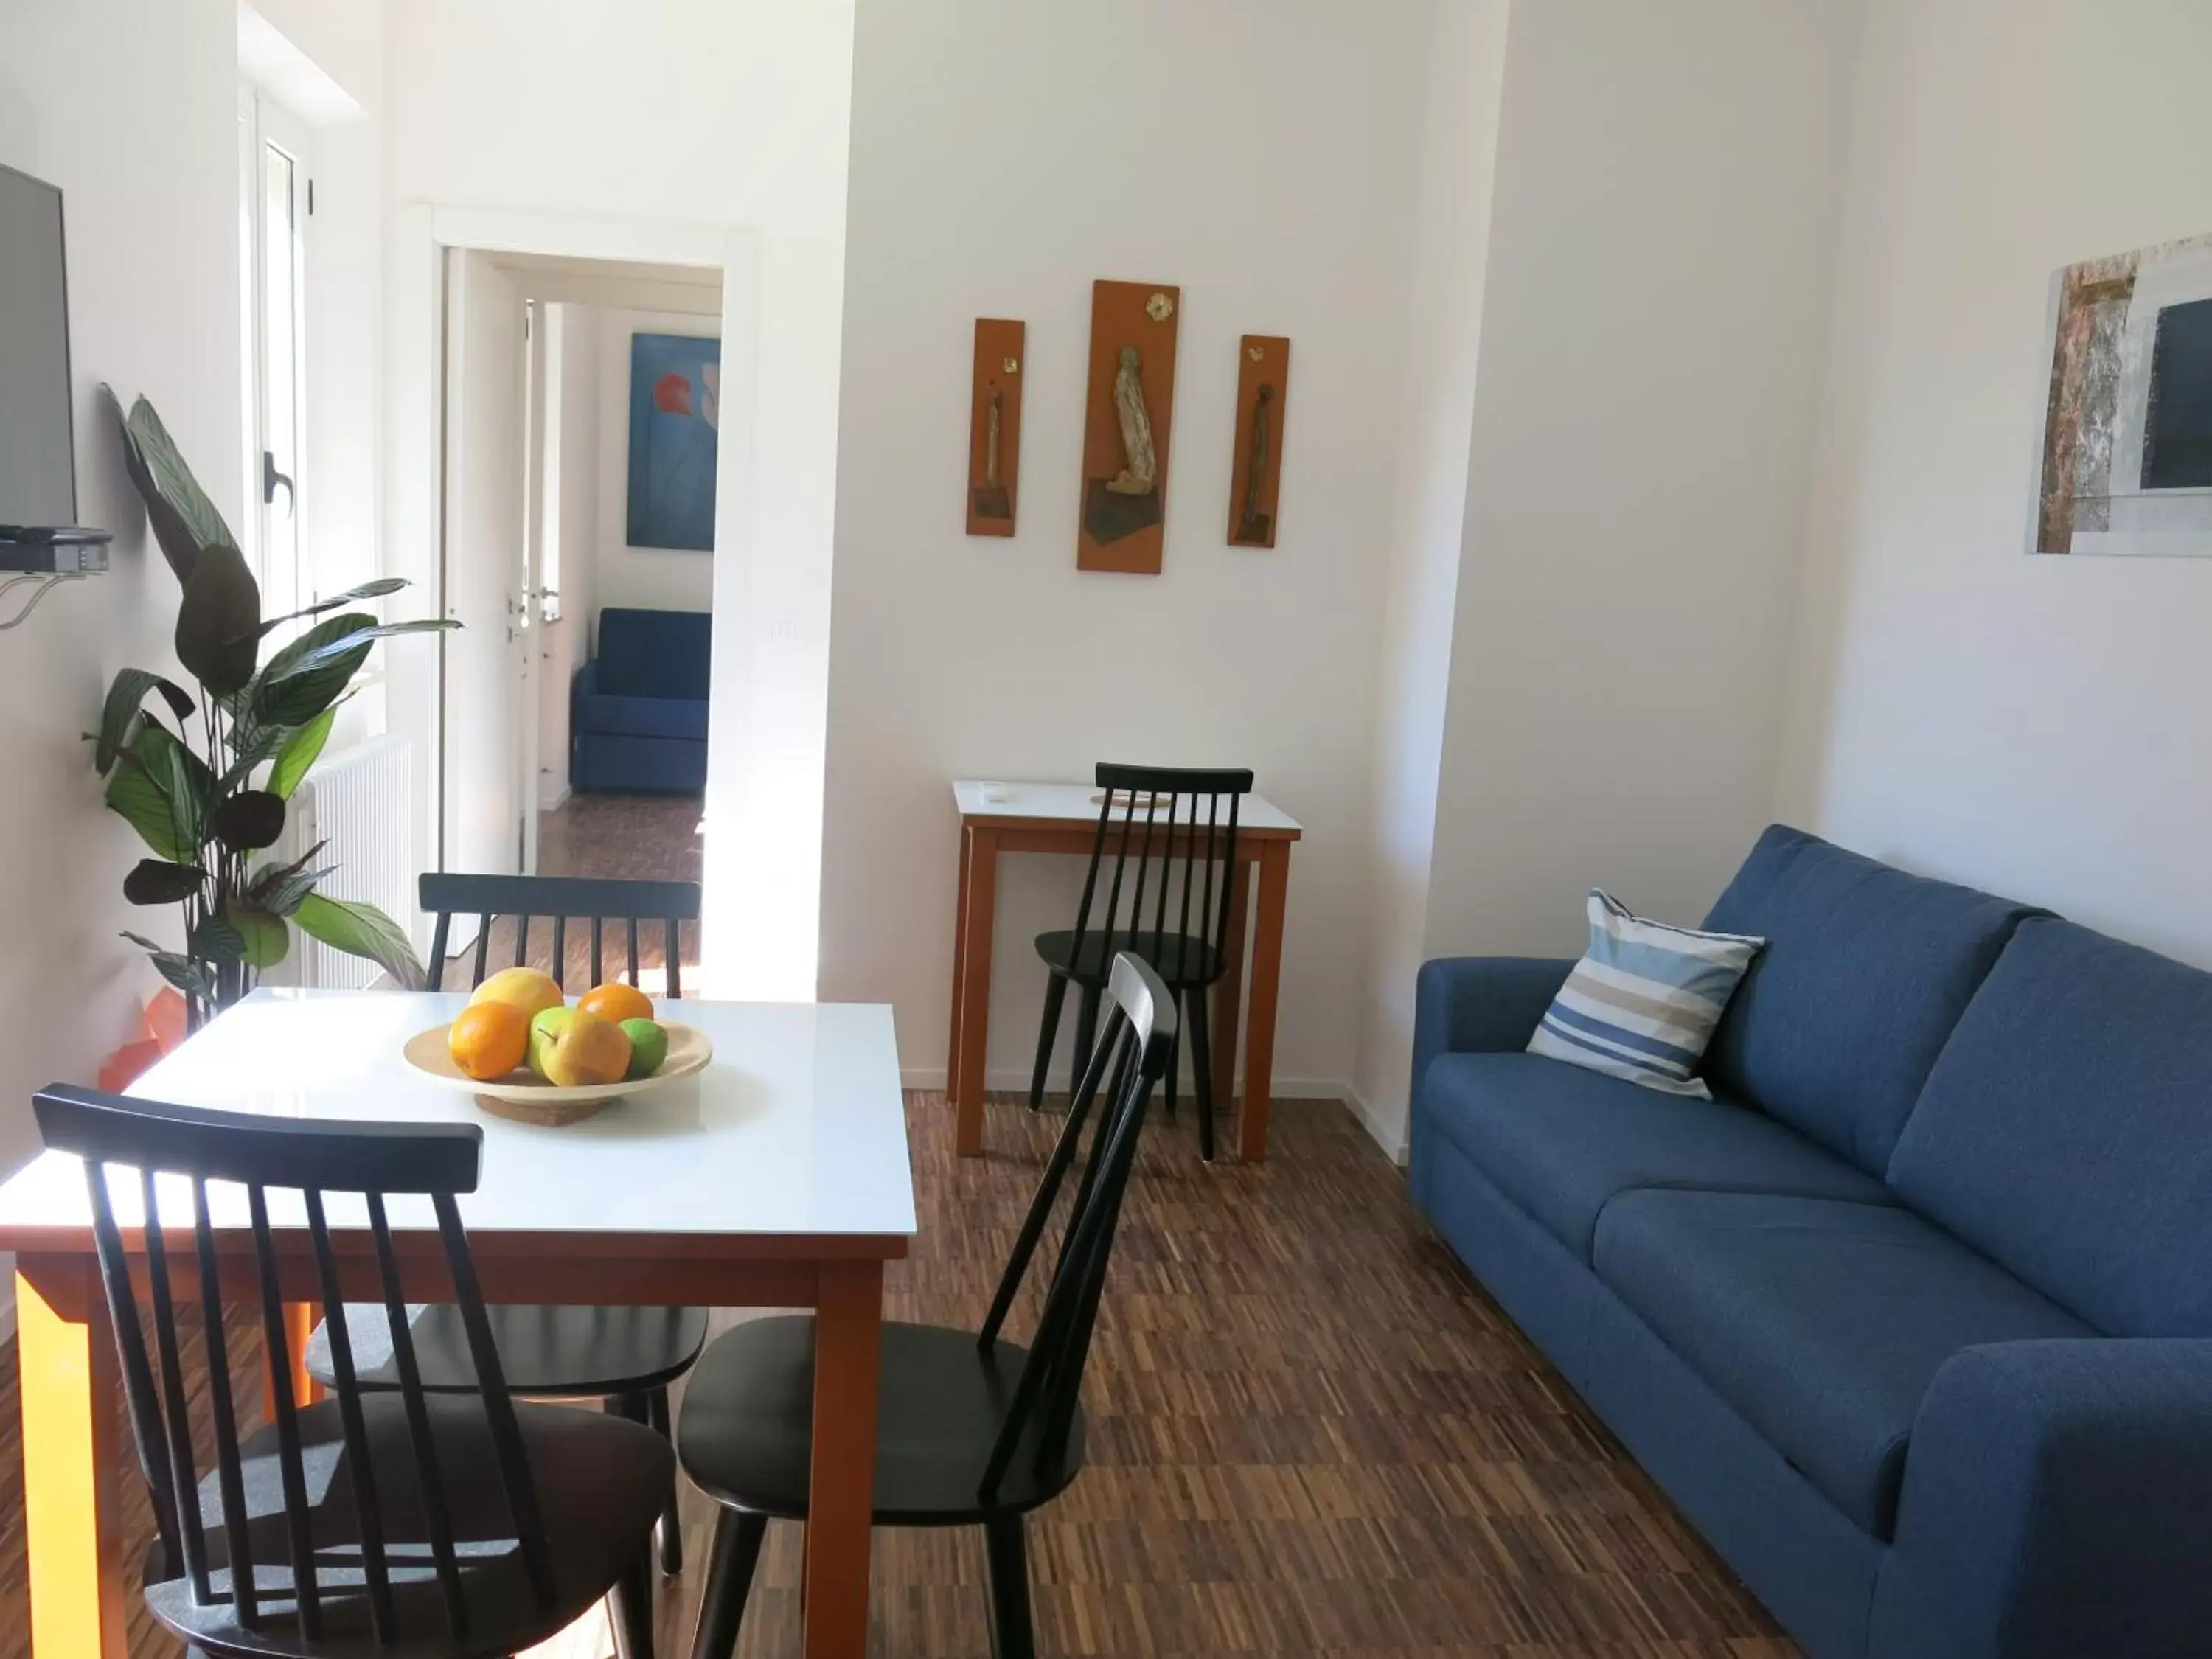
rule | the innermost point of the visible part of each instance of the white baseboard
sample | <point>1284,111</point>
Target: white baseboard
<point>1017,1081</point>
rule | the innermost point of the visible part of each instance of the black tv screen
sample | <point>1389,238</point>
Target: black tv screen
<point>38,466</point>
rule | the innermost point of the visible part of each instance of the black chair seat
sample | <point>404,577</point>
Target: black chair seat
<point>601,1483</point>
<point>1180,960</point>
<point>547,1352</point>
<point>747,1425</point>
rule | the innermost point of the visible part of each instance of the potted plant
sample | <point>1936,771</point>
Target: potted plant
<point>205,779</point>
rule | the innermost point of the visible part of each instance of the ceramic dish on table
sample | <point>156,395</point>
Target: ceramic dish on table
<point>527,1098</point>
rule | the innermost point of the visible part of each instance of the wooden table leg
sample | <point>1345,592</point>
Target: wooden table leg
<point>979,919</point>
<point>1266,980</point>
<point>1229,992</point>
<point>959,971</point>
<point>300,1321</point>
<point>73,1449</point>
<point>848,1350</point>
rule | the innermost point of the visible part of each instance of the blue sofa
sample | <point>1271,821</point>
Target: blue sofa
<point>637,712</point>
<point>1914,1321</point>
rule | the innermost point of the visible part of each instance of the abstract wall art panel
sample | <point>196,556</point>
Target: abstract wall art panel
<point>1125,429</point>
<point>995,427</point>
<point>675,415</point>
<point>1255,466</point>
<point>2125,463</point>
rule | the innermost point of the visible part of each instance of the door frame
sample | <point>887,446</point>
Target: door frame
<point>418,234</point>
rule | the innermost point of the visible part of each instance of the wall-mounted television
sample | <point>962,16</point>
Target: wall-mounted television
<point>38,456</point>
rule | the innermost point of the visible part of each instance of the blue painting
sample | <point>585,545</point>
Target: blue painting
<point>675,393</point>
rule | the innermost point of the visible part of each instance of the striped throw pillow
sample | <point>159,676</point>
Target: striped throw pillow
<point>1643,1002</point>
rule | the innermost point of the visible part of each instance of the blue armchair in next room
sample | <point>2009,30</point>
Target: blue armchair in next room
<point>637,712</point>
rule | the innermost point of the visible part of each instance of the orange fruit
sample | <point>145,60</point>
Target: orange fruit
<point>489,1039</point>
<point>617,1002</point>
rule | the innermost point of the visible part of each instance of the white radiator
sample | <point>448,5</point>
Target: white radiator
<point>357,803</point>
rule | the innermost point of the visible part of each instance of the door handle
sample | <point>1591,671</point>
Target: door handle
<point>270,477</point>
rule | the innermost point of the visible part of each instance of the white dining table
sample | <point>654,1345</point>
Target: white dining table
<point>778,1177</point>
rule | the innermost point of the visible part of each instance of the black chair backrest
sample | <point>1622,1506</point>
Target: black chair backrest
<point>1170,836</point>
<point>375,1160</point>
<point>1139,1037</point>
<point>559,897</point>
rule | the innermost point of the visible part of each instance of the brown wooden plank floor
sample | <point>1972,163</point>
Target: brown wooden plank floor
<point>1310,1434</point>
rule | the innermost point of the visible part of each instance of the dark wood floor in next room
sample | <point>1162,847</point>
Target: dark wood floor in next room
<point>1310,1434</point>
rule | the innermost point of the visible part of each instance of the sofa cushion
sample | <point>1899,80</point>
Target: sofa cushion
<point>1559,1141</point>
<point>654,654</point>
<point>1821,1323</point>
<point>602,716</point>
<point>1865,972</point>
<point>2066,1131</point>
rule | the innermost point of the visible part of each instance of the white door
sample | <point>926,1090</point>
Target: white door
<point>487,658</point>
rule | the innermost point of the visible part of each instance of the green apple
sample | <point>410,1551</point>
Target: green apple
<point>544,1026</point>
<point>648,1046</point>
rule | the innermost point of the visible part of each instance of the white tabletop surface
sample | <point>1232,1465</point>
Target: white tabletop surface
<point>797,1128</point>
<point>1078,803</point>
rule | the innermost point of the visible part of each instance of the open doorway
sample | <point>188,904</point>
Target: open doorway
<point>581,416</point>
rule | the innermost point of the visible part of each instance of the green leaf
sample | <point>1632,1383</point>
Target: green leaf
<point>263,938</point>
<point>299,752</point>
<point>185,780</point>
<point>133,796</point>
<point>284,896</point>
<point>180,971</point>
<point>250,745</point>
<point>375,590</point>
<point>279,697</point>
<point>216,941</point>
<point>124,696</point>
<point>160,789</point>
<point>219,623</point>
<point>155,881</point>
<point>248,821</point>
<point>337,650</point>
<point>362,930</point>
<point>185,522</point>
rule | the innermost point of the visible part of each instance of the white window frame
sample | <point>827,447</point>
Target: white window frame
<point>273,530</point>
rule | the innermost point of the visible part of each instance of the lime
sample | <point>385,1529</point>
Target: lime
<point>648,1046</point>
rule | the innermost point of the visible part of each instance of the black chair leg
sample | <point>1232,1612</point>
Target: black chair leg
<point>1175,1056</point>
<point>1055,994</point>
<point>1201,1067</point>
<point>736,1552</point>
<point>1086,1033</point>
<point>1011,1634</point>
<point>632,1606</point>
<point>671,1531</point>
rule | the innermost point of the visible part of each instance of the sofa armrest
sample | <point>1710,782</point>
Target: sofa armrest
<point>2056,1503</point>
<point>1481,1004</point>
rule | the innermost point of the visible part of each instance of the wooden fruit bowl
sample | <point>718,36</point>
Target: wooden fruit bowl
<point>527,1098</point>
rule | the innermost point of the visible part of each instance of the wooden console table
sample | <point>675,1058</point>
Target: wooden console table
<point>1063,817</point>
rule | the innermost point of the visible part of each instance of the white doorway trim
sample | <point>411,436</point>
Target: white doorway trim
<point>414,424</point>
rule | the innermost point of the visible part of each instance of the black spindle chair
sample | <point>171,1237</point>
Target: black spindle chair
<point>399,1522</point>
<point>625,1356</point>
<point>1163,873</point>
<point>975,1431</point>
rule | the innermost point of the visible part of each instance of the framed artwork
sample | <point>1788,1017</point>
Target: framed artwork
<point>1125,429</point>
<point>2124,465</point>
<point>675,388</point>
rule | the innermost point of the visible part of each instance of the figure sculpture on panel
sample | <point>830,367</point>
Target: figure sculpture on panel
<point>1140,468</point>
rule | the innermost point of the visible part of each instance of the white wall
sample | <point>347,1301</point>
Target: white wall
<point>695,112</point>
<point>1457,161</point>
<point>1004,154</point>
<point>1661,242</point>
<point>151,203</point>
<point>2036,725</point>
<point>648,578</point>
